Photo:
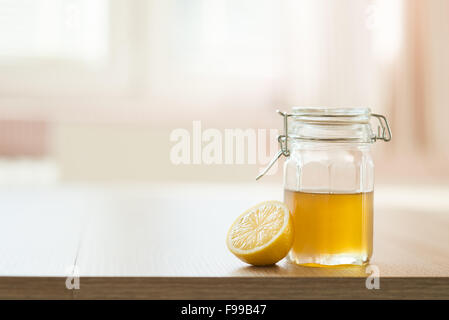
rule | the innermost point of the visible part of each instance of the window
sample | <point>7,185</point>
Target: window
<point>68,29</point>
<point>64,48</point>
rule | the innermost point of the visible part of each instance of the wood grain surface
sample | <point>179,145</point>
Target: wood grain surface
<point>168,242</point>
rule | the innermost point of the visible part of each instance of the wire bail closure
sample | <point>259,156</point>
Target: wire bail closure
<point>282,139</point>
<point>383,133</point>
<point>384,128</point>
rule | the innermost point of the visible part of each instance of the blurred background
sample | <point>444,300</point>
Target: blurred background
<point>90,90</point>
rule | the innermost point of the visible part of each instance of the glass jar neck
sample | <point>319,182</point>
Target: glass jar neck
<point>330,125</point>
<point>330,133</point>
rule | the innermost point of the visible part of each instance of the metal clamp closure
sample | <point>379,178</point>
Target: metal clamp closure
<point>282,139</point>
<point>383,131</point>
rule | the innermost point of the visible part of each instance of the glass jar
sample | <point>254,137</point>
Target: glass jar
<point>329,183</point>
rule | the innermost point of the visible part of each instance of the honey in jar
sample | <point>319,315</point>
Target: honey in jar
<point>333,228</point>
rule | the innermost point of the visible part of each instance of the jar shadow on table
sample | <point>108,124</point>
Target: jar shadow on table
<point>285,268</point>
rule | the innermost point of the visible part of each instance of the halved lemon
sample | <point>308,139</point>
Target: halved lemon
<point>263,234</point>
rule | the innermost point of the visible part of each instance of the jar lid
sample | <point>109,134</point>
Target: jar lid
<point>331,116</point>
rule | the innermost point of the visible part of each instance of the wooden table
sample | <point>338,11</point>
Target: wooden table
<point>168,242</point>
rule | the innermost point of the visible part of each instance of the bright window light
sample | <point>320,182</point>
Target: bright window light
<point>384,18</point>
<point>64,29</point>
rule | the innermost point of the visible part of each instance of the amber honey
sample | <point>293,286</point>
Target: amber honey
<point>331,228</point>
